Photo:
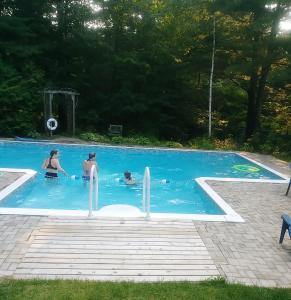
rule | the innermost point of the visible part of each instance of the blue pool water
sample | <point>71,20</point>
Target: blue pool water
<point>180,195</point>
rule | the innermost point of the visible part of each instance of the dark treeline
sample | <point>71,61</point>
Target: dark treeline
<point>146,64</point>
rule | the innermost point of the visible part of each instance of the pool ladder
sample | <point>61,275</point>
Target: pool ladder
<point>93,178</point>
<point>146,191</point>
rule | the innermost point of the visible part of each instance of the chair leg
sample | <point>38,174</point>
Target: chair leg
<point>288,188</point>
<point>283,230</point>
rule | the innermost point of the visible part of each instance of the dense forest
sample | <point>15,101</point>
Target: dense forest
<point>146,64</point>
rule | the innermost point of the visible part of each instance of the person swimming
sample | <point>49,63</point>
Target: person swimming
<point>87,165</point>
<point>128,179</point>
<point>52,165</point>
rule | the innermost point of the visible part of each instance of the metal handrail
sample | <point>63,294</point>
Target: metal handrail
<point>93,177</point>
<point>146,192</point>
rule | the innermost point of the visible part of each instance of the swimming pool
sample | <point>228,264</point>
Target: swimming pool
<point>180,195</point>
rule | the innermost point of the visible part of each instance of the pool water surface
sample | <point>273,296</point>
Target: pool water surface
<point>173,173</point>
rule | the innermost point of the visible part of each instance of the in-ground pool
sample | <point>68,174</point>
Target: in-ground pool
<point>181,194</point>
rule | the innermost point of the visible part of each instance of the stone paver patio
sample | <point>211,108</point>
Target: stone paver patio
<point>7,178</point>
<point>249,252</point>
<point>242,252</point>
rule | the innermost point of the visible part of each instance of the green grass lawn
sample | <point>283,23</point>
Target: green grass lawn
<point>69,289</point>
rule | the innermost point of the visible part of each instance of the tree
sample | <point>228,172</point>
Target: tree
<point>20,75</point>
<point>259,49</point>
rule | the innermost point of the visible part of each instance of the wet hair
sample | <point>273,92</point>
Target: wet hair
<point>127,175</point>
<point>53,152</point>
<point>92,155</point>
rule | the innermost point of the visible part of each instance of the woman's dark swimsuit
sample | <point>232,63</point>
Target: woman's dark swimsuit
<point>50,174</point>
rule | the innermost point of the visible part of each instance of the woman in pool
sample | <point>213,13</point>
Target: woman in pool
<point>52,165</point>
<point>128,179</point>
<point>87,165</point>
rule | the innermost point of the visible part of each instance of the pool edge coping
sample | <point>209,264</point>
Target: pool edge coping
<point>28,174</point>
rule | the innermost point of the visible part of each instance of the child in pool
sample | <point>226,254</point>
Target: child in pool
<point>87,165</point>
<point>128,179</point>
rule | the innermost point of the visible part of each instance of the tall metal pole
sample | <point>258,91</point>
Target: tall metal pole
<point>73,112</point>
<point>211,80</point>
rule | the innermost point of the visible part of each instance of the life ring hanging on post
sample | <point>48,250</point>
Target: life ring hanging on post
<point>52,124</point>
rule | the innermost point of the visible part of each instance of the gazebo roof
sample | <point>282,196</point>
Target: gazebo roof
<point>60,91</point>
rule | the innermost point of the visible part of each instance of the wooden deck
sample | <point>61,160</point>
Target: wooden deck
<point>135,250</point>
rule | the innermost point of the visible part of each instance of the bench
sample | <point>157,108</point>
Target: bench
<point>286,225</point>
<point>115,130</point>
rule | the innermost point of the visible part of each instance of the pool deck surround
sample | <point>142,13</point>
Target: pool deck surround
<point>136,249</point>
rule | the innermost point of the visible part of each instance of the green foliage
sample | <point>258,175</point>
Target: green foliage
<point>94,137</point>
<point>33,134</point>
<point>172,144</point>
<point>142,141</point>
<point>201,143</point>
<point>19,98</point>
<point>147,68</point>
<point>229,144</point>
<point>136,140</point>
<point>117,140</point>
<point>130,140</point>
<point>247,147</point>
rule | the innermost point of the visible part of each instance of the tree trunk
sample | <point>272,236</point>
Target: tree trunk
<point>258,79</point>
<point>62,11</point>
<point>255,100</point>
<point>251,112</point>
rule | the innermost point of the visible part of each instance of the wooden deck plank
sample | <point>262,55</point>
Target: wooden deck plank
<point>127,226</point>
<point>125,252</point>
<point>125,235</point>
<point>66,260</point>
<point>141,278</point>
<point>111,227</point>
<point>97,246</point>
<point>108,266</point>
<point>124,239</point>
<point>78,254</point>
<point>136,243</point>
<point>120,272</point>
<point>113,221</point>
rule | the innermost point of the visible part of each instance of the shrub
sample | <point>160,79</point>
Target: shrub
<point>143,141</point>
<point>202,143</point>
<point>266,148</point>
<point>34,134</point>
<point>117,140</point>
<point>94,137</point>
<point>172,144</point>
<point>128,141</point>
<point>227,144</point>
<point>247,147</point>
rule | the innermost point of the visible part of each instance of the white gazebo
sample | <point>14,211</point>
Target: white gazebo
<point>69,100</point>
